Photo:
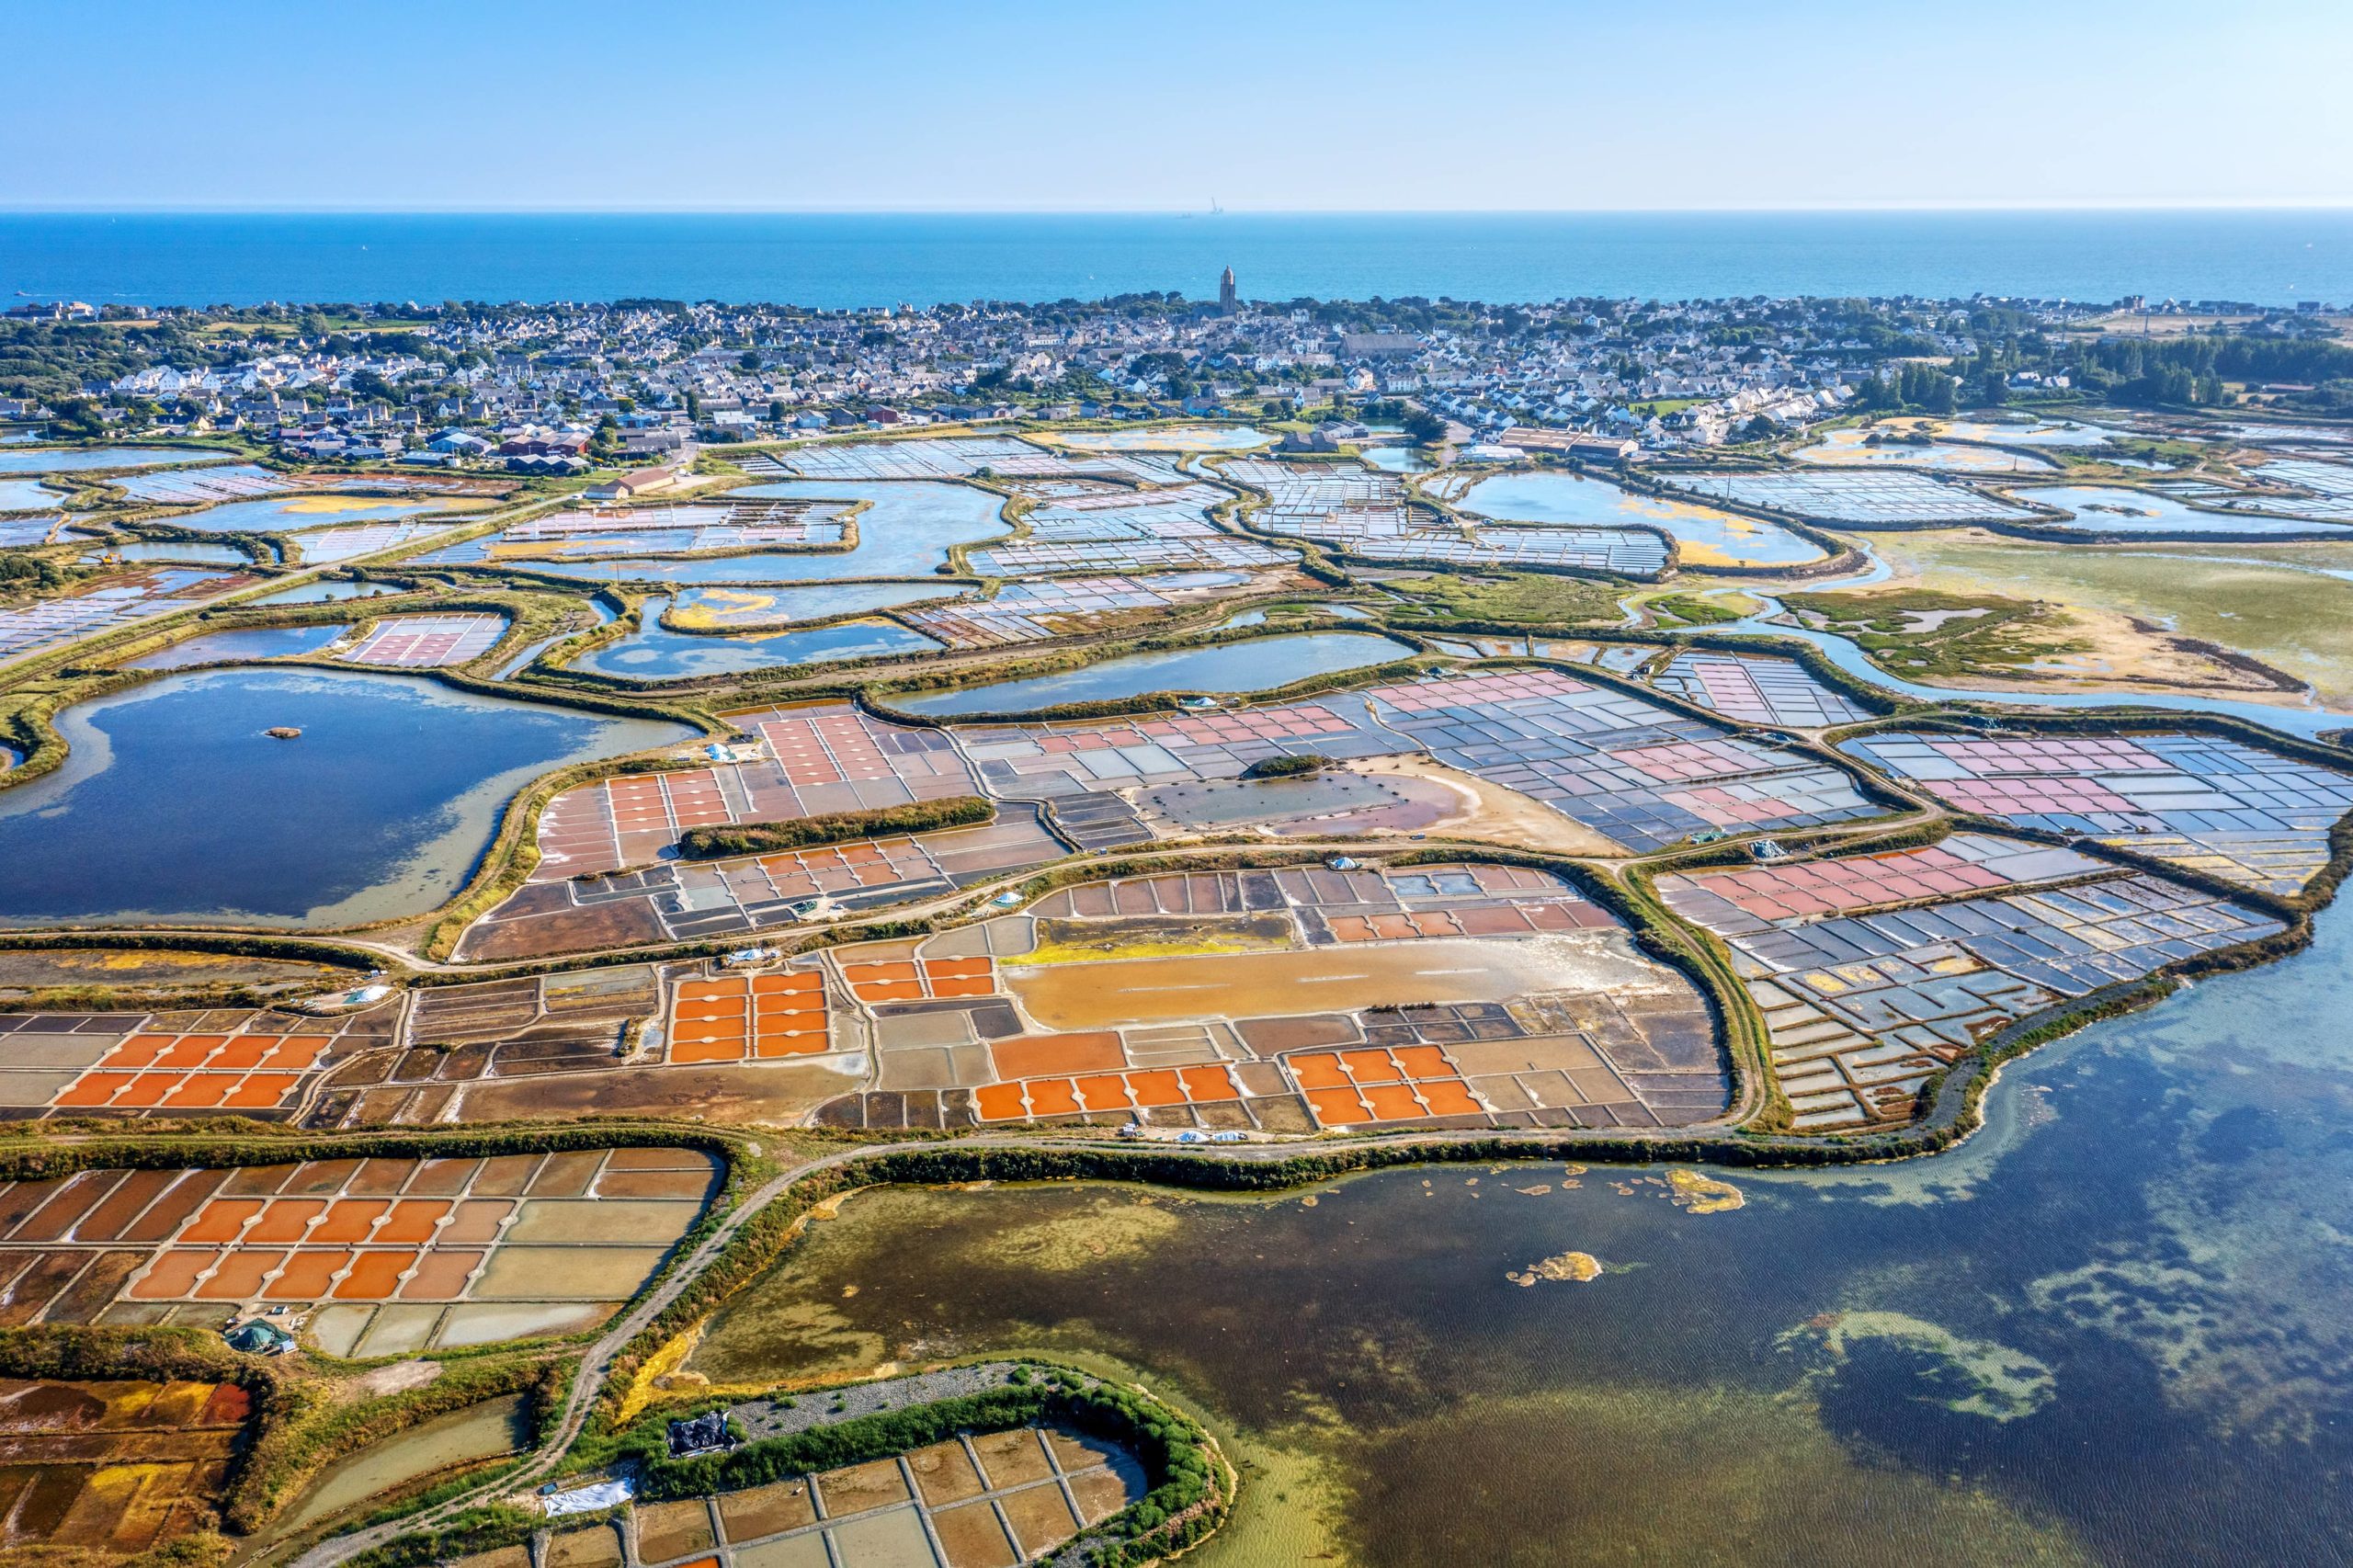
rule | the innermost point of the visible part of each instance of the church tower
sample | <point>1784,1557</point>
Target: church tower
<point>1225,292</point>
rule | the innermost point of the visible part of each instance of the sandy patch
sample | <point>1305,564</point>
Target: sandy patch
<point>1495,813</point>
<point>398,1378</point>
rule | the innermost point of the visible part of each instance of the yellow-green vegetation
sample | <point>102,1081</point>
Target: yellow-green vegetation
<point>1111,1224</point>
<point>107,979</point>
<point>1699,1194</point>
<point>1531,599</point>
<point>1577,1268</point>
<point>721,607</point>
<point>1668,1475</point>
<point>2146,449</point>
<point>1690,609</point>
<point>2281,604</point>
<point>1923,631</point>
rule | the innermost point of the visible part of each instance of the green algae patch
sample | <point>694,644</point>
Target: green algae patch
<point>1648,1474</point>
<point>1978,1376</point>
<point>1108,1226</point>
<point>1062,941</point>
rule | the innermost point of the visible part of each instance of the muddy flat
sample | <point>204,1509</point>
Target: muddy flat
<point>1144,991</point>
<point>1493,812</point>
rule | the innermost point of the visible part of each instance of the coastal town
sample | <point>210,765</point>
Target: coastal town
<point>531,388</point>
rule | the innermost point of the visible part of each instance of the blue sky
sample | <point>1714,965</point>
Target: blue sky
<point>1113,106</point>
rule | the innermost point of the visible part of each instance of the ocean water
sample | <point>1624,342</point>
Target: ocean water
<point>835,259</point>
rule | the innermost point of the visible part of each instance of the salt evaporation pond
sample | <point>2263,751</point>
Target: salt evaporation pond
<point>654,653</point>
<point>1396,459</point>
<point>762,567</point>
<point>695,607</point>
<point>1707,537</point>
<point>27,496</point>
<point>1854,448</point>
<point>905,533</point>
<point>2107,509</point>
<point>173,805</point>
<point>1170,438</point>
<point>1231,668</point>
<point>2062,433</point>
<point>82,460</point>
<point>457,1437</point>
<point>253,642</point>
<point>285,514</point>
<point>210,552</point>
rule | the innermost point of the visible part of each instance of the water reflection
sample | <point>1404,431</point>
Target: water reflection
<point>1259,664</point>
<point>2111,509</point>
<point>173,803</point>
<point>654,653</point>
<point>1708,537</point>
<point>228,647</point>
<point>83,460</point>
<point>904,532</point>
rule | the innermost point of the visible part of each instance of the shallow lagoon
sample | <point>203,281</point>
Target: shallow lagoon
<point>2114,1328</point>
<point>697,607</point>
<point>1708,537</point>
<point>905,533</point>
<point>1396,459</point>
<point>173,804</point>
<point>1259,664</point>
<point>2030,432</point>
<point>82,460</point>
<point>1169,439</point>
<point>657,653</point>
<point>455,1437</point>
<point>27,496</point>
<point>284,513</point>
<point>1851,449</point>
<point>255,643</point>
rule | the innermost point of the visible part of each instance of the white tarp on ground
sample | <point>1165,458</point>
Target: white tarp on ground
<point>589,1499</point>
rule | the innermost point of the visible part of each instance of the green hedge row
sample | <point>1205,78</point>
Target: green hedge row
<point>803,832</point>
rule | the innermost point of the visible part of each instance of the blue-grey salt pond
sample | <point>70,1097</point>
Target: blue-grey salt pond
<point>1258,665</point>
<point>174,805</point>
